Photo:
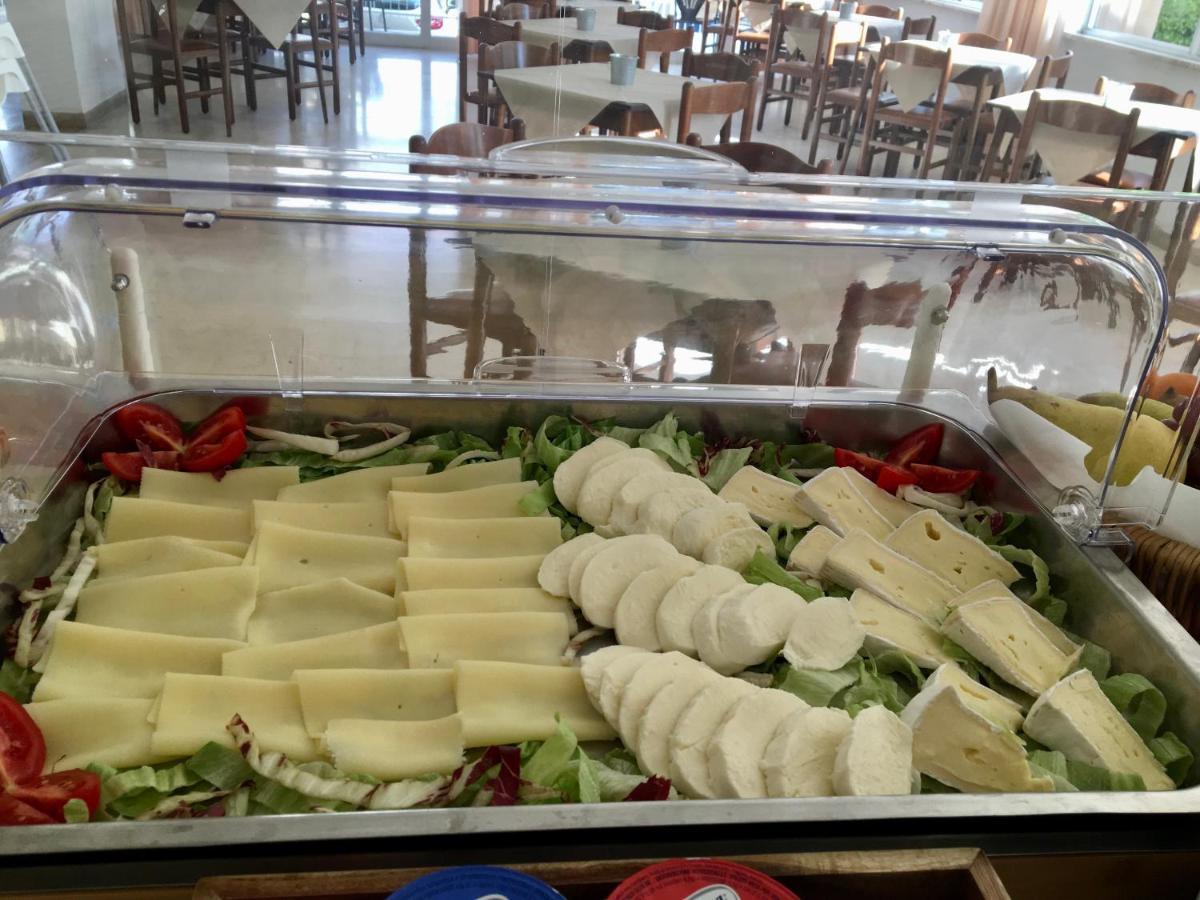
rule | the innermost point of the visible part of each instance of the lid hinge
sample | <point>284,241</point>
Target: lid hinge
<point>17,511</point>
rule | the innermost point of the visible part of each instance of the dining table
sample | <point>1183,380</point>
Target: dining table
<point>879,28</point>
<point>272,18</point>
<point>561,31</point>
<point>606,10</point>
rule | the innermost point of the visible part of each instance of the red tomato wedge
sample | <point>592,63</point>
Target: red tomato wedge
<point>940,480</point>
<point>219,425</point>
<point>867,465</point>
<point>128,466</point>
<point>50,793</point>
<point>920,446</point>
<point>150,424</point>
<point>218,455</point>
<point>14,812</point>
<point>22,749</point>
<point>892,478</point>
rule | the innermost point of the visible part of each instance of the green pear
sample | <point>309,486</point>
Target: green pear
<point>1155,409</point>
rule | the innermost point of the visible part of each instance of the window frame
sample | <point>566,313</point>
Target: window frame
<point>1152,45</point>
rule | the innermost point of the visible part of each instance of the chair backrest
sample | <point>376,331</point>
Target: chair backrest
<point>1147,92</point>
<point>754,156</point>
<point>644,18</point>
<point>512,11</point>
<point>882,11</point>
<point>580,51</point>
<point>719,66</point>
<point>1054,70</point>
<point>919,29</point>
<point>918,56</point>
<point>516,55</point>
<point>810,32</point>
<point>485,30</point>
<point>725,98</point>
<point>467,139</point>
<point>979,39</point>
<point>664,43</point>
<point>1084,120</point>
<point>138,19</point>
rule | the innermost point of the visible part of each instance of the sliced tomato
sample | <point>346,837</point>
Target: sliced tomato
<point>14,812</point>
<point>892,478</point>
<point>251,405</point>
<point>216,427</point>
<point>867,465</point>
<point>22,749</point>
<point>920,446</point>
<point>940,480</point>
<point>217,455</point>
<point>48,794</point>
<point>150,424</point>
<point>128,466</point>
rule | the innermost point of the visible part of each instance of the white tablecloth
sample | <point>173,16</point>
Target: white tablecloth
<point>556,101</point>
<point>759,17</point>
<point>914,85</point>
<point>606,10</point>
<point>544,32</point>
<point>274,18</point>
<point>1069,156</point>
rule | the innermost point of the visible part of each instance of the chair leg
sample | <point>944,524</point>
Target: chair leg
<point>362,31</point>
<point>318,64</point>
<point>290,74</point>
<point>251,83</point>
<point>205,84</point>
<point>335,40</point>
<point>226,78</point>
<point>181,93</point>
<point>160,84</point>
<point>816,109</point>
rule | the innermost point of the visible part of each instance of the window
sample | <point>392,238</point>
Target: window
<point>1168,25</point>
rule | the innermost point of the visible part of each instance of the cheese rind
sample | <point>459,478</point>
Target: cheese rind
<point>130,518</point>
<point>808,556</point>
<point>462,478</point>
<point>950,552</point>
<point>482,538</point>
<point>288,557</point>
<point>237,489</point>
<point>490,501</point>
<point>376,647</point>
<point>883,502</point>
<point>158,556</point>
<point>888,627</point>
<point>393,695</point>
<point>365,517</point>
<point>989,590</point>
<point>371,483</point>
<point>860,561</point>
<point>313,610</point>
<point>392,751</point>
<point>875,758</point>
<point>831,499</point>
<point>990,704</point>
<point>499,572</point>
<point>1077,719</point>
<point>769,499</point>
<point>439,641</point>
<point>111,731</point>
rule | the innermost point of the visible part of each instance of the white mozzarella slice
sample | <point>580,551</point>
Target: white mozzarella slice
<point>680,605</point>
<point>570,474</point>
<point>593,664</point>
<point>394,695</point>
<point>824,635</point>
<point>500,572</point>
<point>637,610</point>
<point>660,512</point>
<point>634,492</point>
<point>876,756</point>
<point>318,609</point>
<point>376,647</point>
<point>608,476</point>
<point>799,759</point>
<point>194,710</point>
<point>808,556</point>
<point>366,517</point>
<point>130,518</point>
<point>706,631</point>
<point>110,731</point>
<point>392,751</point>
<point>947,550</point>
<point>614,677</point>
<point>769,499</point>
<point>889,627</point>
<point>698,527</point>
<point>492,501</point>
<point>734,549</point>
<point>372,483</point>
<point>462,478</point>
<point>736,750</point>
<point>836,503</point>
<point>860,561</point>
<point>482,538</point>
<point>438,642</point>
<point>652,741</point>
<point>694,729</point>
<point>288,557</point>
<point>755,625</point>
<point>611,570</point>
<point>506,703</point>
<point>157,556</point>
<point>237,489</point>
<point>580,563</point>
<point>554,573</point>
<point>647,681</point>
<point>883,502</point>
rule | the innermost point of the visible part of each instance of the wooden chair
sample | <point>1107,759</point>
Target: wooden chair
<point>719,66</point>
<point>1142,92</point>
<point>664,43</point>
<point>719,25</point>
<point>467,139</point>
<point>901,123</point>
<point>752,41</point>
<point>321,41</point>
<point>511,55</point>
<point>580,51</point>
<point>919,29</point>
<point>723,99</point>
<point>348,26</point>
<point>485,30</point>
<point>759,157</point>
<point>143,33</point>
<point>803,73</point>
<point>882,11</point>
<point>1053,71</point>
<point>844,109</point>
<point>979,39</point>
<point>510,12</point>
<point>1145,92</point>
<point>641,18</point>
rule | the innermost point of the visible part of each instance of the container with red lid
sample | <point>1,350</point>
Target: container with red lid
<point>700,879</point>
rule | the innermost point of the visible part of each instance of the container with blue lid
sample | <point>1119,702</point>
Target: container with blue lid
<point>476,883</point>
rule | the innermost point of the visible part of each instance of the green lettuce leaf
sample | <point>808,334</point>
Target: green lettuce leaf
<point>1052,608</point>
<point>1094,658</point>
<point>724,465</point>
<point>1139,701</point>
<point>786,537</point>
<point>933,786</point>
<point>1080,776</point>
<point>673,445</point>
<point>1173,755</point>
<point>983,525</point>
<point>556,439</point>
<point>221,766</point>
<point>896,662</point>
<point>1041,571</point>
<point>17,682</point>
<point>516,439</point>
<point>874,688</point>
<point>75,812</point>
<point>540,500</point>
<point>762,569</point>
<point>815,687</point>
<point>548,762</point>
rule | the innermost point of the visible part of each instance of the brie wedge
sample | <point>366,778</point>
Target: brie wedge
<point>860,561</point>
<point>831,499</point>
<point>808,556</point>
<point>768,498</point>
<point>946,550</point>
<point>888,627</point>
<point>990,704</point>
<point>883,502</point>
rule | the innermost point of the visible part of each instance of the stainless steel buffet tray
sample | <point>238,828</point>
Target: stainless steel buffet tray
<point>1107,605</point>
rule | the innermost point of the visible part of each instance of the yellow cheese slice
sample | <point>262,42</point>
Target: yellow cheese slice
<point>368,517</point>
<point>438,642</point>
<point>196,708</point>
<point>93,661</point>
<point>392,751</point>
<point>493,501</point>
<point>287,557</point>
<point>112,731</point>
<point>482,538</point>
<point>497,572</point>
<point>463,478</point>
<point>160,555</point>
<point>131,518</point>
<point>394,695</point>
<point>377,647</point>
<point>505,703</point>
<point>371,483</point>
<point>212,603</point>
<point>484,600</point>
<point>313,610</point>
<point>237,489</point>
